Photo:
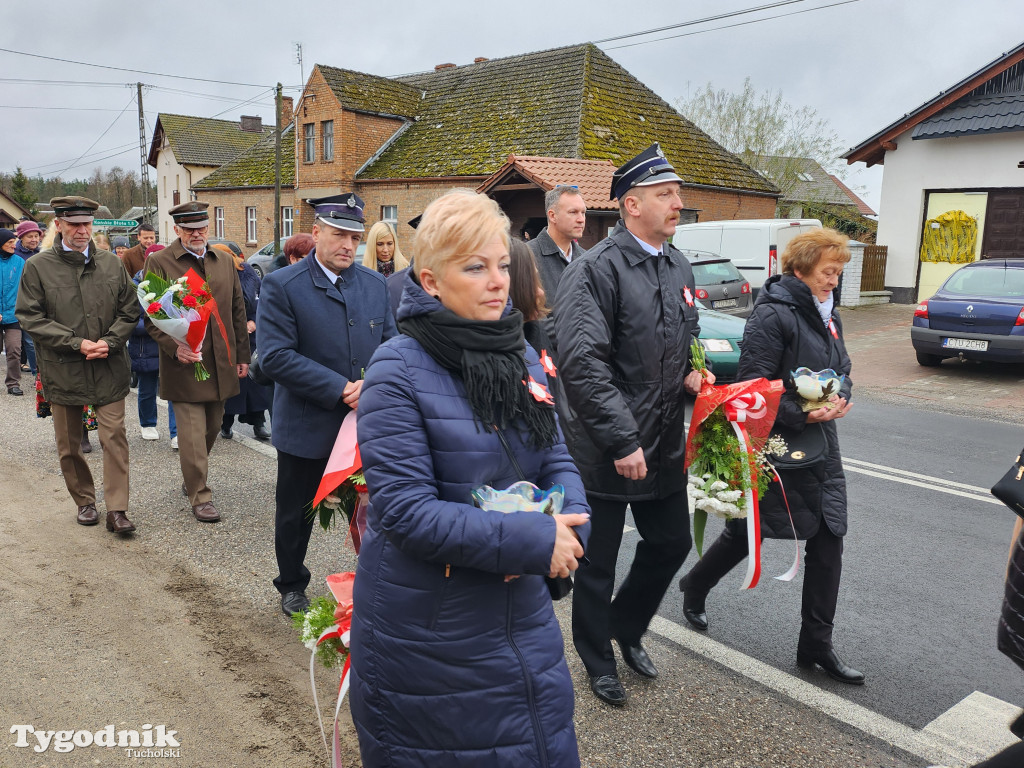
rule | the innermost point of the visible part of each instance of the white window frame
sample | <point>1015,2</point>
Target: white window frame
<point>250,224</point>
<point>389,213</point>
<point>218,222</point>
<point>327,139</point>
<point>287,220</point>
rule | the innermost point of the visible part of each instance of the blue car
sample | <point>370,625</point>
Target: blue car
<point>977,314</point>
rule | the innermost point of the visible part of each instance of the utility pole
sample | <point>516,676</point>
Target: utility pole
<point>144,156</point>
<point>277,176</point>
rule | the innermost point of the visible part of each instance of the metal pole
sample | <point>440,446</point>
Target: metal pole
<point>144,173</point>
<point>277,175</point>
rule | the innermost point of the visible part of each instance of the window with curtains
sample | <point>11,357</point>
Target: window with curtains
<point>250,224</point>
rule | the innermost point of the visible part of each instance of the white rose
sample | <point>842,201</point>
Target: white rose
<point>144,284</point>
<point>150,297</point>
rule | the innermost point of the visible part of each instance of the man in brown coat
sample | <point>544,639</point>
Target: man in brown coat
<point>135,257</point>
<point>199,405</point>
<point>80,306</point>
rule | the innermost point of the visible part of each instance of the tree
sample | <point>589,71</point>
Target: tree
<point>20,192</point>
<point>765,131</point>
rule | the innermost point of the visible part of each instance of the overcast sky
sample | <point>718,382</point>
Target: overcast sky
<point>860,63</point>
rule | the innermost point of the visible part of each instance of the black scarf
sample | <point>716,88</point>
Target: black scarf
<point>386,268</point>
<point>489,357</point>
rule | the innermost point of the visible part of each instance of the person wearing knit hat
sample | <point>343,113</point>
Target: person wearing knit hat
<point>120,245</point>
<point>10,276</point>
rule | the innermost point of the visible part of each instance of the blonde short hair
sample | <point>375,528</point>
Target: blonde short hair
<point>457,223</point>
<point>377,232</point>
<point>805,251</point>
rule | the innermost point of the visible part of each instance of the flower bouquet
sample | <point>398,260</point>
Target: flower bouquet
<point>181,309</point>
<point>325,629</point>
<point>343,487</point>
<point>726,451</point>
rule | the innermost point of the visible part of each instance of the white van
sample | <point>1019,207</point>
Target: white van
<point>753,245</point>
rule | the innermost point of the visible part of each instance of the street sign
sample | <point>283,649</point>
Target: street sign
<point>114,223</point>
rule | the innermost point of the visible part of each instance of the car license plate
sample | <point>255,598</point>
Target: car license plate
<point>724,303</point>
<point>978,345</point>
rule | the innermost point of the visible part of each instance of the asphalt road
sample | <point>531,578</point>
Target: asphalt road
<point>922,579</point>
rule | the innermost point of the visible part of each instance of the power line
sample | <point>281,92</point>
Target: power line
<point>66,109</point>
<point>729,26</point>
<point>717,17</point>
<point>118,149</point>
<point>130,102</point>
<point>126,69</point>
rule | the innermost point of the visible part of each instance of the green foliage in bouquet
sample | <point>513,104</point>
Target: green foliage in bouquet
<point>312,622</point>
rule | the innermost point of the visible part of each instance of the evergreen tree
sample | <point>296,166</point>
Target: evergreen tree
<point>20,192</point>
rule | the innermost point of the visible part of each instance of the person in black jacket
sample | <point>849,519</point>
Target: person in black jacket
<point>625,318</point>
<point>795,324</point>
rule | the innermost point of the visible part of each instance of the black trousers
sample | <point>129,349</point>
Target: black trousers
<point>297,481</point>
<point>823,566</point>
<point>664,527</point>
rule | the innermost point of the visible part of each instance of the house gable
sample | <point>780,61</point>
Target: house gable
<point>201,140</point>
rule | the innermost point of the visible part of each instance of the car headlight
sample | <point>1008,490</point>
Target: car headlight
<point>716,345</point>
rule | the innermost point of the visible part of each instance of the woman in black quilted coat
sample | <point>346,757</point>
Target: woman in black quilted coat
<point>794,324</point>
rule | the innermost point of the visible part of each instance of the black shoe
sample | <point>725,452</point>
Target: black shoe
<point>636,658</point>
<point>829,661</point>
<point>293,602</point>
<point>608,689</point>
<point>260,433</point>
<point>86,445</point>
<point>693,608</point>
<point>228,433</point>
<point>15,390</point>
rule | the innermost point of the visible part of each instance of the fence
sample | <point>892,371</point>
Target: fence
<point>872,276</point>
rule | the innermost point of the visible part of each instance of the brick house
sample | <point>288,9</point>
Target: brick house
<point>401,142</point>
<point>186,149</point>
<point>241,194</point>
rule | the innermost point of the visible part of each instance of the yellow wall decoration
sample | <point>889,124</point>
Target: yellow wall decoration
<point>950,237</point>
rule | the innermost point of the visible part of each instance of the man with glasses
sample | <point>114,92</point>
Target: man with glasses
<point>557,245</point>
<point>80,307</point>
<point>199,405</point>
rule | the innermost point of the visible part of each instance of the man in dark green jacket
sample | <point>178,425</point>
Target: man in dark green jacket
<point>80,306</point>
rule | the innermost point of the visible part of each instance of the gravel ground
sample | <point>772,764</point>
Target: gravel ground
<point>179,625</point>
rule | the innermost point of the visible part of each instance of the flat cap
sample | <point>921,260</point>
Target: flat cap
<point>649,167</point>
<point>191,215</point>
<point>74,209</point>
<point>344,211</point>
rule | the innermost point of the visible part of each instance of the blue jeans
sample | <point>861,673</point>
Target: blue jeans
<point>147,402</point>
<point>28,349</point>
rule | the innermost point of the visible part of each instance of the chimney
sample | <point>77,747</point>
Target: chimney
<point>439,67</point>
<point>479,59</point>
<point>252,124</point>
<point>287,111</point>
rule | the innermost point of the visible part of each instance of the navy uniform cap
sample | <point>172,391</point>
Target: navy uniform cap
<point>191,215</point>
<point>74,209</point>
<point>649,167</point>
<point>344,211</point>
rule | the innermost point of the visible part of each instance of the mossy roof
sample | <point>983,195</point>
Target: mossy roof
<point>255,166</point>
<point>205,140</point>
<point>572,102</point>
<point>361,92</point>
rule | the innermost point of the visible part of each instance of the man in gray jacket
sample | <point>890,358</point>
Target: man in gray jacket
<point>556,244</point>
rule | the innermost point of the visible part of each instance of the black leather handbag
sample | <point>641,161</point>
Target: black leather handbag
<point>1010,489</point>
<point>803,449</point>
<point>558,587</point>
<point>256,373</point>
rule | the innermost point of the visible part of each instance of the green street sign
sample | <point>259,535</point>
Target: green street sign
<point>114,223</point>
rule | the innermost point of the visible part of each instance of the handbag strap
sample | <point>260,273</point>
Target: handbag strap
<point>508,451</point>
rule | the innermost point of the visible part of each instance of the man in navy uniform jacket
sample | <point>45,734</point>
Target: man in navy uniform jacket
<point>319,323</point>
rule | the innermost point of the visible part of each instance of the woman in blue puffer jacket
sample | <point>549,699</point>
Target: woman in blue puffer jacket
<point>457,658</point>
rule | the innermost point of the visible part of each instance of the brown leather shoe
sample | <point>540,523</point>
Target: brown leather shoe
<point>206,512</point>
<point>87,515</point>
<point>118,522</point>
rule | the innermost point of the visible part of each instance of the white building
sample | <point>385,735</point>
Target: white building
<point>954,168</point>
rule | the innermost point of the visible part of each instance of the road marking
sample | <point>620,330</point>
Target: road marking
<point>935,746</point>
<point>933,485</point>
<point>978,719</point>
<point>929,478</point>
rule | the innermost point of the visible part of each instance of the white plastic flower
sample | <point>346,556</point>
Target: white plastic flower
<point>698,493</point>
<point>150,297</point>
<point>728,496</point>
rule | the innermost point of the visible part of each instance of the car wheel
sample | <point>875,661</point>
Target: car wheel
<point>929,361</point>
<point>258,270</point>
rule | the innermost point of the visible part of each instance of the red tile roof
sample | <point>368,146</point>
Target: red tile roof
<point>593,177</point>
<point>863,207</point>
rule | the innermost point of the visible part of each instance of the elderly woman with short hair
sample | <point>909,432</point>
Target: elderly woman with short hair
<point>795,324</point>
<point>457,657</point>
